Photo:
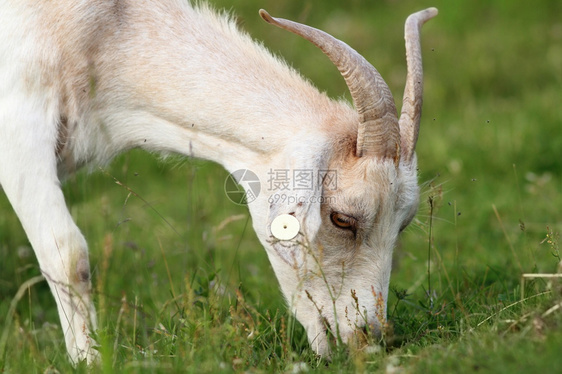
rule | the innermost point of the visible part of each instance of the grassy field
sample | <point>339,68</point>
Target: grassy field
<point>182,284</point>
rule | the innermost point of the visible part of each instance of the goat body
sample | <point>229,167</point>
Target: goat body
<point>83,81</point>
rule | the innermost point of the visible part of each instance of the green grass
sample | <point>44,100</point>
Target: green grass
<point>182,284</point>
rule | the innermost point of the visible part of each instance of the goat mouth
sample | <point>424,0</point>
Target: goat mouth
<point>362,335</point>
<point>358,338</point>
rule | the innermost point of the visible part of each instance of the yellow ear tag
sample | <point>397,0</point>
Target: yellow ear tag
<point>285,227</point>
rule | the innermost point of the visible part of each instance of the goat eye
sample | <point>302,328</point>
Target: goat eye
<point>343,221</point>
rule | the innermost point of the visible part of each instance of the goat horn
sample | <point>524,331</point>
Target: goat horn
<point>379,132</point>
<point>412,103</point>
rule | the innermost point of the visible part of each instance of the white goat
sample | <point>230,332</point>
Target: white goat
<point>82,81</point>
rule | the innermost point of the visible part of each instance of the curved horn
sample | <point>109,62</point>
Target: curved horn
<point>412,103</point>
<point>379,133</point>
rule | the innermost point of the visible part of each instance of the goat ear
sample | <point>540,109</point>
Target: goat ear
<point>304,206</point>
<point>300,198</point>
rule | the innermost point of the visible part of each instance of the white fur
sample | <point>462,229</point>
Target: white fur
<point>85,80</point>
